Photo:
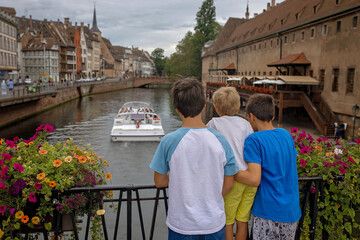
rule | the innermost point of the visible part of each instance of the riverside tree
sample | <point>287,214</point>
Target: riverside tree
<point>158,56</point>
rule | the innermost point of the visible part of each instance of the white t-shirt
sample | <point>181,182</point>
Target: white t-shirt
<point>197,160</point>
<point>235,129</point>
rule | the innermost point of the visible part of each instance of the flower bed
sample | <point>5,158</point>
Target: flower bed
<point>32,170</point>
<point>338,164</point>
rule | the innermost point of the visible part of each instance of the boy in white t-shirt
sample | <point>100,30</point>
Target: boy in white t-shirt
<point>239,200</point>
<point>198,166</point>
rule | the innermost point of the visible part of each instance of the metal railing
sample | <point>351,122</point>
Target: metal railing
<point>130,195</point>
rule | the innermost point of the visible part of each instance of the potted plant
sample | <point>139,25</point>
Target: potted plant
<point>32,170</point>
<point>337,162</point>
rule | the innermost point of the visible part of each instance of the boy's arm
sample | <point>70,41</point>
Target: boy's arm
<point>228,184</point>
<point>250,177</point>
<point>161,180</point>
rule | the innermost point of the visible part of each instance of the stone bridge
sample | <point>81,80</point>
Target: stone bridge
<point>139,82</point>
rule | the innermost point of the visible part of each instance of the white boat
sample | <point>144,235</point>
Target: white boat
<point>137,121</point>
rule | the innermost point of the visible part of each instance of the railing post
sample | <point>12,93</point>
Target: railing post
<point>129,213</point>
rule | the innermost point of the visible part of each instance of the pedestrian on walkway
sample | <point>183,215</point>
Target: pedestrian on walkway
<point>3,88</point>
<point>11,86</point>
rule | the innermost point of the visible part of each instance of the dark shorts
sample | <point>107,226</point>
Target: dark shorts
<point>220,235</point>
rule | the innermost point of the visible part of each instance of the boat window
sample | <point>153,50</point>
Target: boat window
<point>137,116</point>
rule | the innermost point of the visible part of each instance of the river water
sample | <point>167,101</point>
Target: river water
<point>89,121</point>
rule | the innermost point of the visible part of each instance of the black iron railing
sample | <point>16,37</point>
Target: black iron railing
<point>130,195</point>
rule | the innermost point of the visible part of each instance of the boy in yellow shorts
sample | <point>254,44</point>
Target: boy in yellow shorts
<point>239,200</point>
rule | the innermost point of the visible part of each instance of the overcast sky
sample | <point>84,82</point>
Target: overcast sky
<point>147,24</point>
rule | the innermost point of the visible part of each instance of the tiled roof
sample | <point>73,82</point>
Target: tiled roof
<point>293,59</point>
<point>10,11</point>
<point>37,44</point>
<point>231,66</point>
<point>286,15</point>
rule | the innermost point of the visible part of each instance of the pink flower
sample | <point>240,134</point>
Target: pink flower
<point>337,142</point>
<point>350,159</point>
<point>3,209</point>
<point>302,162</point>
<point>326,163</point>
<point>6,156</point>
<point>32,197</point>
<point>39,128</point>
<point>10,143</point>
<point>312,189</point>
<point>18,167</point>
<point>305,150</point>
<point>358,141</point>
<point>33,137</point>
<point>38,185</point>
<point>342,170</point>
<point>4,171</point>
<point>16,139</point>
<point>310,138</point>
<point>2,162</point>
<point>2,185</point>
<point>319,140</point>
<point>49,128</point>
<point>294,130</point>
<point>12,211</point>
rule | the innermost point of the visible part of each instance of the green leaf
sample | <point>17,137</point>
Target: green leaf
<point>4,223</point>
<point>348,227</point>
<point>17,225</point>
<point>48,226</point>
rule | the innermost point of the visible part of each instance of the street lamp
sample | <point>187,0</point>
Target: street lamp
<point>103,73</point>
<point>355,110</point>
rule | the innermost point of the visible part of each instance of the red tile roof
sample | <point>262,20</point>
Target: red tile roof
<point>231,66</point>
<point>292,59</point>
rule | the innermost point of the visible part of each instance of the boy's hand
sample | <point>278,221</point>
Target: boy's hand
<point>250,177</point>
<point>161,180</point>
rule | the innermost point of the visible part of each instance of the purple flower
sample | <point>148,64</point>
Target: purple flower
<point>59,208</point>
<point>38,185</point>
<point>12,211</point>
<point>294,130</point>
<point>302,162</point>
<point>312,189</point>
<point>325,139</point>
<point>337,142</point>
<point>17,187</point>
<point>352,143</point>
<point>18,167</point>
<point>49,128</point>
<point>3,209</point>
<point>32,197</point>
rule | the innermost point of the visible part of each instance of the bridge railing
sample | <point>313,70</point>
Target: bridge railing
<point>131,197</point>
<point>25,91</point>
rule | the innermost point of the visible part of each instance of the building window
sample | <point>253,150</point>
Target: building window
<point>271,43</point>
<point>265,45</point>
<point>270,73</point>
<point>321,79</point>
<point>350,80</point>
<point>297,16</point>
<point>277,42</point>
<point>314,9</point>
<point>355,21</point>
<point>312,32</point>
<point>302,35</point>
<point>254,47</point>
<point>311,73</point>
<point>285,40</point>
<point>264,73</point>
<point>337,2</point>
<point>259,46</point>
<point>254,73</point>
<point>325,29</point>
<point>338,26</point>
<point>293,37</point>
<point>259,73</point>
<point>335,84</point>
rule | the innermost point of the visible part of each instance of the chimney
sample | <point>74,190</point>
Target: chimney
<point>268,6</point>
<point>272,3</point>
<point>255,14</point>
<point>76,24</point>
<point>66,21</point>
<point>88,25</point>
<point>58,21</point>
<point>30,20</point>
<point>82,25</point>
<point>45,20</point>
<point>41,36</point>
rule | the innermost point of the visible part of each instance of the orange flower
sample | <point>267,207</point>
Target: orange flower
<point>82,159</point>
<point>40,176</point>
<point>108,176</point>
<point>43,151</point>
<point>19,214</point>
<point>319,148</point>
<point>1,141</point>
<point>30,143</point>
<point>57,163</point>
<point>25,219</point>
<point>52,184</point>
<point>76,156</point>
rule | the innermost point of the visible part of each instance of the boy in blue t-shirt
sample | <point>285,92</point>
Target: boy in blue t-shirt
<point>198,166</point>
<point>271,156</point>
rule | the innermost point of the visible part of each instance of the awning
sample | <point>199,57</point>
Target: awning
<point>268,81</point>
<point>293,59</point>
<point>299,80</point>
<point>231,66</point>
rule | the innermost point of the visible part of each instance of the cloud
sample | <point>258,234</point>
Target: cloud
<point>147,24</point>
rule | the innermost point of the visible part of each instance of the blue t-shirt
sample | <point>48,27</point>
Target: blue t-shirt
<point>277,197</point>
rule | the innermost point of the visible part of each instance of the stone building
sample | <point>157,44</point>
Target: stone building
<point>319,39</point>
<point>8,43</point>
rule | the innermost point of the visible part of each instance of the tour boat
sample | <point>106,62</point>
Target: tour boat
<point>137,121</point>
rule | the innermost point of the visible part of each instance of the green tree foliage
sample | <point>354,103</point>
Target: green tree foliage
<point>158,56</point>
<point>186,61</point>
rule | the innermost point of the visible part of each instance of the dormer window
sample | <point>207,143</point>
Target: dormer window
<point>297,16</point>
<point>337,2</point>
<point>315,9</point>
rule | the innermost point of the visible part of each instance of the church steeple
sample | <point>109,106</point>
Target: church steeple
<point>247,10</point>
<point>94,25</point>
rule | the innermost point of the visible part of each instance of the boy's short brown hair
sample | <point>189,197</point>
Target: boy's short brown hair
<point>188,97</point>
<point>262,106</point>
<point>227,100</point>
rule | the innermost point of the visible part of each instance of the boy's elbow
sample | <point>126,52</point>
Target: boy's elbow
<point>160,185</point>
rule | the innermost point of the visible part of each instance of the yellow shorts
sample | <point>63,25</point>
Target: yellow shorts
<point>238,203</point>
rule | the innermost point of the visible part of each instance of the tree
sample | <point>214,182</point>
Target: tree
<point>158,57</point>
<point>205,19</point>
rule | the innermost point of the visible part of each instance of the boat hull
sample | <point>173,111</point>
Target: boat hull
<point>136,138</point>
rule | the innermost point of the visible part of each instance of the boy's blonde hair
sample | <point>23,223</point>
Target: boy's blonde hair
<point>227,100</point>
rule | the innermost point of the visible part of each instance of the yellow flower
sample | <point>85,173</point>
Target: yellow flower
<point>331,181</point>
<point>40,176</point>
<point>108,176</point>
<point>338,206</point>
<point>57,163</point>
<point>30,143</point>
<point>35,220</point>
<point>68,159</point>
<point>19,214</point>
<point>46,180</point>
<point>1,233</point>
<point>100,212</point>
<point>106,163</point>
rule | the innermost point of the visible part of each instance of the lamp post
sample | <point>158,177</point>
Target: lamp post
<point>355,110</point>
<point>103,72</point>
